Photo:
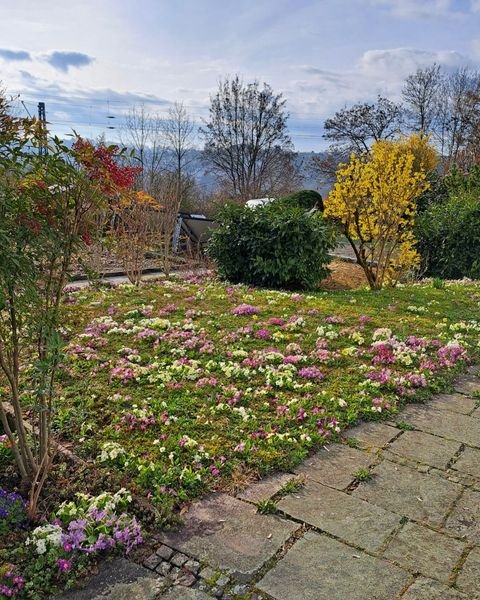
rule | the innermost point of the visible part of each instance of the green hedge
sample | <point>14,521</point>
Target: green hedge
<point>448,235</point>
<point>305,199</point>
<point>275,245</point>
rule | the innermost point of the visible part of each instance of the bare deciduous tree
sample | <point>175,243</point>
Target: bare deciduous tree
<point>324,166</point>
<point>357,127</point>
<point>170,202</point>
<point>178,130</point>
<point>284,176</point>
<point>144,135</point>
<point>244,134</point>
<point>421,96</point>
<point>135,231</point>
<point>354,129</point>
<point>459,117</point>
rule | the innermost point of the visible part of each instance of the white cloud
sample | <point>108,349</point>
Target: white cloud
<point>397,63</point>
<point>375,72</point>
<point>425,9</point>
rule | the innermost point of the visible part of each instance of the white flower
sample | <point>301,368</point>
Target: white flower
<point>382,333</point>
<point>111,451</point>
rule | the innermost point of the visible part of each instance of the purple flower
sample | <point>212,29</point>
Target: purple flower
<point>381,377</point>
<point>364,318</point>
<point>262,334</point>
<point>64,565</point>
<point>310,373</point>
<point>245,309</point>
<point>334,319</point>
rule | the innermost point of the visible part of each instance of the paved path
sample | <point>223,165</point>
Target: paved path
<point>409,530</point>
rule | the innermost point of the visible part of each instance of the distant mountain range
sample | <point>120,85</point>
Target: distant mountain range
<point>208,182</point>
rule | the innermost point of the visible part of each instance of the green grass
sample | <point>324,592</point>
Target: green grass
<point>174,395</point>
<point>404,426</point>
<point>266,507</point>
<point>292,486</point>
<point>362,475</point>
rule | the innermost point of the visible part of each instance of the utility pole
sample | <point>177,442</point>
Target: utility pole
<point>42,119</point>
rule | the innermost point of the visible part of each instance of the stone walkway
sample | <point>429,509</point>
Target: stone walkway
<point>392,513</point>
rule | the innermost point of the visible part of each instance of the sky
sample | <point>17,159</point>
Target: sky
<point>91,61</point>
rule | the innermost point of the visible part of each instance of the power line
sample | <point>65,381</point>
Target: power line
<point>127,104</point>
<point>25,107</point>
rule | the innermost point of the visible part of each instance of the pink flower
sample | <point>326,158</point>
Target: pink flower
<point>291,359</point>
<point>245,309</point>
<point>381,377</point>
<point>334,319</point>
<point>214,471</point>
<point>451,354</point>
<point>262,334</point>
<point>276,321</point>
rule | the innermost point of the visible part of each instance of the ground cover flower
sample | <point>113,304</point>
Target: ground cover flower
<point>13,511</point>
<point>245,309</point>
<point>237,379</point>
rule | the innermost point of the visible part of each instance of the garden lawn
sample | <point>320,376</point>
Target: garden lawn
<point>181,386</point>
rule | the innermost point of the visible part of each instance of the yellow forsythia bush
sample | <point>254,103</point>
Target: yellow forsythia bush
<point>374,199</point>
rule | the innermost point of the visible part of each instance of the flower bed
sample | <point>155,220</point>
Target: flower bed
<point>183,386</point>
<point>180,387</point>
<point>52,555</point>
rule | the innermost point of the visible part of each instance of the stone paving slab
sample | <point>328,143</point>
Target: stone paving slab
<point>425,448</point>
<point>181,592</point>
<point>425,551</point>
<point>469,462</point>
<point>467,384</point>
<point>464,520</point>
<point>428,589</point>
<point>119,579</point>
<point>230,534</point>
<point>265,488</point>
<point>320,568</point>
<point>372,434</point>
<point>341,515</point>
<point>335,467</point>
<point>468,579</point>
<point>455,403</point>
<point>419,496</point>
<point>443,423</point>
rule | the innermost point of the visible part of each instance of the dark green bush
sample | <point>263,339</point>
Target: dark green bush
<point>437,192</point>
<point>448,235</point>
<point>454,183</point>
<point>274,245</point>
<point>306,199</point>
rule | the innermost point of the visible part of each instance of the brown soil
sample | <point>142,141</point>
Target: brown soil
<point>344,276</point>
